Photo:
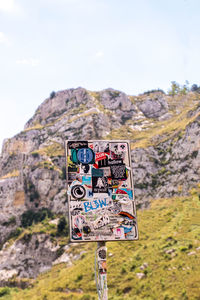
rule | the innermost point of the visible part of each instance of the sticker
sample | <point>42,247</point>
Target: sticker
<point>85,169</point>
<point>71,177</point>
<point>114,148</point>
<point>115,162</point>
<point>76,234</point>
<point>73,168</point>
<point>124,191</point>
<point>101,146</point>
<point>127,222</point>
<point>122,147</point>
<point>119,233</point>
<point>85,156</point>
<point>118,147</point>
<point>103,163</point>
<point>106,172</point>
<point>101,221</point>
<point>73,156</point>
<point>78,192</point>
<point>86,229</point>
<point>87,180</point>
<point>113,183</point>
<point>100,156</point>
<point>119,172</point>
<point>77,144</point>
<point>99,185</point>
<point>97,204</point>
<point>76,211</point>
<point>97,173</point>
<point>102,253</point>
<point>102,266</point>
<point>114,155</point>
<point>89,193</point>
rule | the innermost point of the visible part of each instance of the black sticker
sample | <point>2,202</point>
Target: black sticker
<point>72,168</point>
<point>102,253</point>
<point>78,192</point>
<point>85,168</point>
<point>118,171</point>
<point>99,185</point>
<point>86,229</point>
<point>103,163</point>
<point>115,162</point>
<point>77,144</point>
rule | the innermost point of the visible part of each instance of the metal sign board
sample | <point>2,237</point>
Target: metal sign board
<point>100,191</point>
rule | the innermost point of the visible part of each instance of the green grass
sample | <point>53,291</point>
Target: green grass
<point>159,131</point>
<point>169,224</point>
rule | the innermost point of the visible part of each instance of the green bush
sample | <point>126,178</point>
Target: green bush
<point>63,174</point>
<point>4,291</point>
<point>35,154</point>
<point>30,216</point>
<point>62,227</point>
<point>11,221</point>
<point>15,233</point>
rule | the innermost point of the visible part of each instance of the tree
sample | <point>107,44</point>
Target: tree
<point>194,87</point>
<point>52,95</point>
<point>62,227</point>
<point>175,88</point>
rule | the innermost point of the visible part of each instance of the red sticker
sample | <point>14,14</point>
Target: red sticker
<point>100,156</point>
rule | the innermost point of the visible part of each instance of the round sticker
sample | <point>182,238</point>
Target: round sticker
<point>85,155</point>
<point>78,192</point>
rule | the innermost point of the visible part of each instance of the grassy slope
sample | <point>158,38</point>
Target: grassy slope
<point>169,223</point>
<point>159,131</point>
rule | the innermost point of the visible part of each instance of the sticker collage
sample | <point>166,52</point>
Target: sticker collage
<point>100,191</point>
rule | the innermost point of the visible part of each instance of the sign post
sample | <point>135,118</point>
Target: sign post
<point>101,197</point>
<point>102,271</point>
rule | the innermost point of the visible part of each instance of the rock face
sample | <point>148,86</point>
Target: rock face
<point>32,163</point>
<point>154,108</point>
<point>28,256</point>
<point>32,173</point>
<point>169,169</point>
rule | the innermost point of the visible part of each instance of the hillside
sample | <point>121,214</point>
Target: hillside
<point>167,257</point>
<point>164,131</point>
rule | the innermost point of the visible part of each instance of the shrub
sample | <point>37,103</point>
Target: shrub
<point>79,277</point>
<point>153,91</point>
<point>52,95</point>
<point>30,216</point>
<point>11,221</point>
<point>35,154</point>
<point>62,227</point>
<point>63,174</point>
<point>4,291</point>
<point>15,233</point>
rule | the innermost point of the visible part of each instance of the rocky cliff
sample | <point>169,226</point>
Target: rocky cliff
<point>164,131</point>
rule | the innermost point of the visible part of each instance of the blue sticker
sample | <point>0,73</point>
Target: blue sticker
<point>85,156</point>
<point>87,180</point>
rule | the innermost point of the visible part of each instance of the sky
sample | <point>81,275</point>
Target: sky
<point>129,45</point>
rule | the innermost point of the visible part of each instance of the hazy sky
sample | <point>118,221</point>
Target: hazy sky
<point>129,45</point>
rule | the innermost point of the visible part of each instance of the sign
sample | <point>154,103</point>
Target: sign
<point>100,191</point>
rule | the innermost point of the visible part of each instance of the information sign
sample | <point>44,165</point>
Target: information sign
<point>100,191</point>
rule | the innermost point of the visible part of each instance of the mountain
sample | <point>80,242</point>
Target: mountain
<point>163,264</point>
<point>164,132</point>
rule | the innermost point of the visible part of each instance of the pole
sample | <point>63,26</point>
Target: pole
<point>102,271</point>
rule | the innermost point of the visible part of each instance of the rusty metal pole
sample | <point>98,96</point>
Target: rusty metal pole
<point>102,271</point>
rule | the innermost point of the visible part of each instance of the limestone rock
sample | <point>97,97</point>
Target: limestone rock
<point>154,108</point>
